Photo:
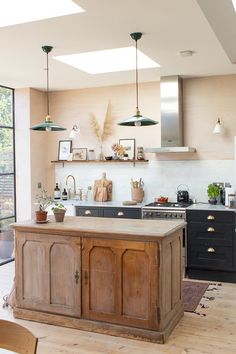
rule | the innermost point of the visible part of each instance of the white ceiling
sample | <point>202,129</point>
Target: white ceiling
<point>168,26</point>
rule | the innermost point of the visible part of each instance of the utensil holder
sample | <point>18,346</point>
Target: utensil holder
<point>137,194</point>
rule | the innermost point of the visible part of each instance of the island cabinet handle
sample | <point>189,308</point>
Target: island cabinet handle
<point>210,217</point>
<point>76,276</point>
<point>120,213</point>
<point>210,229</point>
<point>211,250</point>
<point>87,212</point>
<point>86,277</point>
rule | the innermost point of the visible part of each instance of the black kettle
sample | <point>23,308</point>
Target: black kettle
<point>182,194</point>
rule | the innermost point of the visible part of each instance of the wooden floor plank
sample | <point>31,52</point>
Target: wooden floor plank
<point>214,333</point>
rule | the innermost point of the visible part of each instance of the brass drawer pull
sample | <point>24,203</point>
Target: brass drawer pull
<point>210,217</point>
<point>210,229</point>
<point>211,250</point>
<point>120,213</point>
<point>87,212</point>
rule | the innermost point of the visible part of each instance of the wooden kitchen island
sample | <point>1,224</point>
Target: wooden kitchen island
<point>115,276</point>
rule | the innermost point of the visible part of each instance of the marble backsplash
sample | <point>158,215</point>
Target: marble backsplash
<point>160,177</point>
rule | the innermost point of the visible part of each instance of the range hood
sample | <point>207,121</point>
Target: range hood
<point>171,117</point>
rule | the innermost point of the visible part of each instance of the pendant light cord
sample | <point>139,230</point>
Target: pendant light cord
<point>47,87</point>
<point>137,92</point>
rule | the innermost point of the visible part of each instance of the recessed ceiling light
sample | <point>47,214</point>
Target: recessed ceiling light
<point>111,60</point>
<point>234,3</point>
<point>20,11</point>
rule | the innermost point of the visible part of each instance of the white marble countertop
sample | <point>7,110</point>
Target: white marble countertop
<point>207,206</point>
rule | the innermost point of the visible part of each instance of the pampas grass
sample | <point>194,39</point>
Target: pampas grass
<point>106,131</point>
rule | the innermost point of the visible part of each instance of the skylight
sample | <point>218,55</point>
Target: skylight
<point>20,11</point>
<point>111,60</point>
<point>234,3</point>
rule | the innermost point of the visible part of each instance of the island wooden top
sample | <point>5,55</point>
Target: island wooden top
<point>135,229</point>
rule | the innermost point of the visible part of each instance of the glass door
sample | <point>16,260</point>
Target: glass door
<point>7,174</point>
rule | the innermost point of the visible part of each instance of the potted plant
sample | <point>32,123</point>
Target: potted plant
<point>44,201</point>
<point>213,191</point>
<point>59,212</point>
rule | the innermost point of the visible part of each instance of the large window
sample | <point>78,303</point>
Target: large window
<point>7,173</point>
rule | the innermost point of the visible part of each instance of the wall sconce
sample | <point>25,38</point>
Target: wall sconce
<point>74,132</point>
<point>219,127</point>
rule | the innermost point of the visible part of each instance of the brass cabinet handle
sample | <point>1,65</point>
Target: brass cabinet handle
<point>120,213</point>
<point>211,250</point>
<point>210,229</point>
<point>210,217</point>
<point>86,277</point>
<point>76,276</point>
<point>87,212</point>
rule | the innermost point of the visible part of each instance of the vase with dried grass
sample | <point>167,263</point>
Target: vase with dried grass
<point>102,133</point>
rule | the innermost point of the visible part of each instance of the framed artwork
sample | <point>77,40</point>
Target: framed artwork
<point>79,154</point>
<point>64,149</point>
<point>129,145</point>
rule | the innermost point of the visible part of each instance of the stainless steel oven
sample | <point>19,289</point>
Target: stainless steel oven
<point>169,211</point>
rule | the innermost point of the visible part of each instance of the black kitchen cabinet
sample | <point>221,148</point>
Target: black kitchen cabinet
<point>109,212</point>
<point>211,246</point>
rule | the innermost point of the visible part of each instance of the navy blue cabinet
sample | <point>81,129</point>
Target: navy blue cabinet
<point>109,212</point>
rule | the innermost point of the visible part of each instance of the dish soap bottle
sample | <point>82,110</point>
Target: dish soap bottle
<point>57,192</point>
<point>64,195</point>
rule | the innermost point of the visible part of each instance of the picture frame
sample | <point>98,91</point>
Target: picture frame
<point>79,154</point>
<point>64,149</point>
<point>129,145</point>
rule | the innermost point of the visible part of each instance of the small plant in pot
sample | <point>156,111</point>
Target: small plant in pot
<point>44,201</point>
<point>213,191</point>
<point>59,212</point>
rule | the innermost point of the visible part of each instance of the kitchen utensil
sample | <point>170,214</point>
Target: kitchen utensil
<point>182,194</point>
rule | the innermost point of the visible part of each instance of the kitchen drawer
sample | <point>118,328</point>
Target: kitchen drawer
<point>88,211</point>
<point>129,213</point>
<point>215,234</point>
<point>211,216</point>
<point>211,257</point>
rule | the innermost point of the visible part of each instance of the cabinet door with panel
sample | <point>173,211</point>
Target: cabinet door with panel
<point>119,280</point>
<point>125,213</point>
<point>48,273</point>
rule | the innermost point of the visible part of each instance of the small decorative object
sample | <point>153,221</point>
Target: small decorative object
<point>105,132</point>
<point>91,155</point>
<point>59,212</point>
<point>64,149</point>
<point>213,191</point>
<point>119,151</point>
<point>44,202</point>
<point>129,145</point>
<point>79,154</point>
<point>140,153</point>
<point>102,191</point>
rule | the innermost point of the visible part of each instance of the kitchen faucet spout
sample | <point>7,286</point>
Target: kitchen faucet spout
<point>73,178</point>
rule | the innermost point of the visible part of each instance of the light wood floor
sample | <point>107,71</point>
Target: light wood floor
<point>213,333</point>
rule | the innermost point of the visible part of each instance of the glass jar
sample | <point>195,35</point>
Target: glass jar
<point>231,198</point>
<point>140,153</point>
<point>91,155</point>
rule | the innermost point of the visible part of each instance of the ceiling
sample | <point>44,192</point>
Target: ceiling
<point>207,27</point>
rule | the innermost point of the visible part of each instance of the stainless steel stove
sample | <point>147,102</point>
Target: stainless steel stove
<point>173,210</point>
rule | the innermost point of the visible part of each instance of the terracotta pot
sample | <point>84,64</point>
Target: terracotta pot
<point>59,215</point>
<point>41,216</point>
<point>137,194</point>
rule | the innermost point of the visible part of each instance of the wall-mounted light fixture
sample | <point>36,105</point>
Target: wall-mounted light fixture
<point>219,127</point>
<point>48,125</point>
<point>74,132</point>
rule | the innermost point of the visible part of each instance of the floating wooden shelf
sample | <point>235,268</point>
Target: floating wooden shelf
<point>100,161</point>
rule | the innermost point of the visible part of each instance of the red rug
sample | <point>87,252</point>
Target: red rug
<point>192,294</point>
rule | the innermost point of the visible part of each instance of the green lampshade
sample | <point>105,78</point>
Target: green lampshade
<point>48,125</point>
<point>138,120</point>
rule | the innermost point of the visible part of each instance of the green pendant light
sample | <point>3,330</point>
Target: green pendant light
<point>137,119</point>
<point>48,124</point>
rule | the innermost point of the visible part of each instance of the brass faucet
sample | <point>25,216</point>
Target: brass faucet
<point>74,185</point>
